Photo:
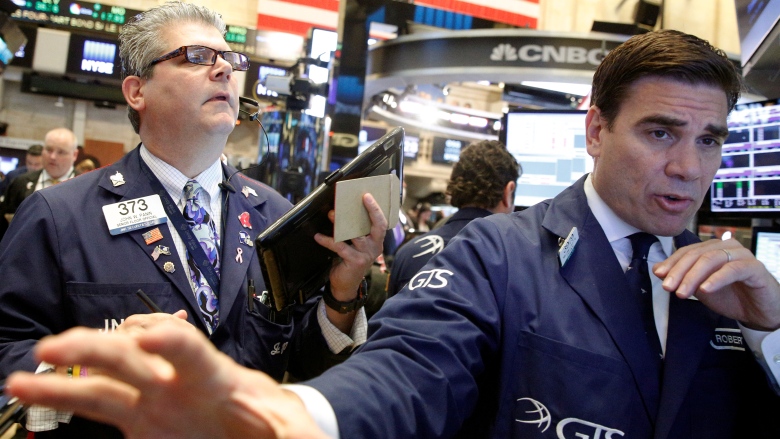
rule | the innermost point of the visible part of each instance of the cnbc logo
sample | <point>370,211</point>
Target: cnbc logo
<point>98,57</point>
<point>548,54</point>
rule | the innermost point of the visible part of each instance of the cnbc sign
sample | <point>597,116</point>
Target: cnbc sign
<point>533,53</point>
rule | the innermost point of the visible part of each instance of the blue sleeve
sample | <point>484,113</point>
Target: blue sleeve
<point>31,290</point>
<point>418,373</point>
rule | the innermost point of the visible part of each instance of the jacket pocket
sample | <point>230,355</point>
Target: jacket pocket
<point>105,306</point>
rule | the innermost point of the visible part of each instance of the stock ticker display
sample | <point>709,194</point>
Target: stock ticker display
<point>749,176</point>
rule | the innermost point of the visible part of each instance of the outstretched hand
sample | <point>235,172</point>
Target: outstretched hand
<point>727,278</point>
<point>167,381</point>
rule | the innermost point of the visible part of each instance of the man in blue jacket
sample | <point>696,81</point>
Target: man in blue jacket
<point>530,325</point>
<point>482,183</point>
<point>169,219</point>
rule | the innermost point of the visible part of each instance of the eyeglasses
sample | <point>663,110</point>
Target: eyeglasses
<point>206,56</point>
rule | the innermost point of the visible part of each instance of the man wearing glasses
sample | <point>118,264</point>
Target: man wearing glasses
<point>171,220</point>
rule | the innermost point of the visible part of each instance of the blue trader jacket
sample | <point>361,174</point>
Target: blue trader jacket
<point>495,339</point>
<point>60,267</point>
<point>413,255</point>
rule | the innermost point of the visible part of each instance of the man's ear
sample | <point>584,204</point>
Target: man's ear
<point>133,89</point>
<point>508,198</point>
<point>595,125</point>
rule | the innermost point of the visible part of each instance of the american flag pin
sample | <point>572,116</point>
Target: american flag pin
<point>152,236</point>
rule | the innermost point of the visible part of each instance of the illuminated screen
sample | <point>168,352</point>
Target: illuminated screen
<point>255,77</point>
<point>766,246</point>
<point>411,148</point>
<point>93,57</point>
<point>8,164</point>
<point>550,146</point>
<point>321,44</point>
<point>749,176</point>
<point>446,151</point>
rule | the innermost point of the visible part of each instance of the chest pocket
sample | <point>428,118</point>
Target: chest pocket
<point>105,306</point>
<point>555,385</point>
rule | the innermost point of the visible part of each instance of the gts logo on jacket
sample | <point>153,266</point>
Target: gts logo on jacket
<point>430,278</point>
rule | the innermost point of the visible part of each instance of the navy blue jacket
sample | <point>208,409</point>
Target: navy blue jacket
<point>60,268</point>
<point>413,255</point>
<point>494,339</point>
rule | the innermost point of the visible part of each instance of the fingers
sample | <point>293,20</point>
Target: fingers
<point>115,354</point>
<point>705,267</point>
<point>189,352</point>
<point>98,398</point>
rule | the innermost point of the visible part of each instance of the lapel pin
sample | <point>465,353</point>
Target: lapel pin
<point>169,267</point>
<point>152,236</point>
<point>117,179</point>
<point>244,218</point>
<point>245,239</point>
<point>247,191</point>
<point>239,257</point>
<point>160,250</point>
<point>29,185</point>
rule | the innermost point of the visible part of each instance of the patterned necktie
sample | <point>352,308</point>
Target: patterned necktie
<point>55,181</point>
<point>203,228</point>
<point>638,277</point>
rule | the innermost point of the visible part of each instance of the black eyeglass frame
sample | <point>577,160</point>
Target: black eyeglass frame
<point>185,50</point>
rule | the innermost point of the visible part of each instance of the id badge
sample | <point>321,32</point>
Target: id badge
<point>129,215</point>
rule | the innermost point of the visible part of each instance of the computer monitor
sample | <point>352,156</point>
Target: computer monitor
<point>550,146</point>
<point>748,181</point>
<point>766,246</point>
<point>8,164</point>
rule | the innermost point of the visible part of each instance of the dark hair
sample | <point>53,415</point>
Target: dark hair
<point>35,150</point>
<point>665,53</point>
<point>480,175</point>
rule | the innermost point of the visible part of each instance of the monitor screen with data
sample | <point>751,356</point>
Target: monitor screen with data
<point>748,181</point>
<point>550,146</point>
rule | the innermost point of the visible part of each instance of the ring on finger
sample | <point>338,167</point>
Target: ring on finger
<point>728,255</point>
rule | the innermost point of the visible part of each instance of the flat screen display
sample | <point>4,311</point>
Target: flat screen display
<point>320,46</point>
<point>255,77</point>
<point>411,148</point>
<point>766,246</point>
<point>550,146</point>
<point>95,57</point>
<point>446,151</point>
<point>8,164</point>
<point>755,19</point>
<point>749,176</point>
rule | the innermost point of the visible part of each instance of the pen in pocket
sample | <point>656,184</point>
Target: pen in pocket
<point>147,301</point>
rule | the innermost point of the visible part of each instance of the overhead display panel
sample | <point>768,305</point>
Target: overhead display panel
<point>74,14</point>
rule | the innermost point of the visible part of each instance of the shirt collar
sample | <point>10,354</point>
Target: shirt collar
<point>46,177</point>
<point>173,180</point>
<point>614,227</point>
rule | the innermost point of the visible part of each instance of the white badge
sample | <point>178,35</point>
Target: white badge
<point>129,215</point>
<point>568,246</point>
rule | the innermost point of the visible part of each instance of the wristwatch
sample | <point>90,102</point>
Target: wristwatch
<point>346,307</point>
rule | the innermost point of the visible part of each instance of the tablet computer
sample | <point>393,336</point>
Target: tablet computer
<point>294,266</point>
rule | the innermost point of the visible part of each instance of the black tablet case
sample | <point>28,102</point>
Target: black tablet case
<point>294,266</point>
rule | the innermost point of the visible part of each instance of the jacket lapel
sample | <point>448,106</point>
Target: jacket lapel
<point>138,185</point>
<point>604,288</point>
<point>234,268</point>
<point>32,181</point>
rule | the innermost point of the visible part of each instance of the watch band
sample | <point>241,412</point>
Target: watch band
<point>346,307</point>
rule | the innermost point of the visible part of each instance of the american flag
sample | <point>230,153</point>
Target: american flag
<point>298,16</point>
<point>152,236</point>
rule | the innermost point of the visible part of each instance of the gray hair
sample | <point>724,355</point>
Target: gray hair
<point>141,38</point>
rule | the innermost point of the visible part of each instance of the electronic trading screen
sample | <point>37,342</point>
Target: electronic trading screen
<point>550,146</point>
<point>749,176</point>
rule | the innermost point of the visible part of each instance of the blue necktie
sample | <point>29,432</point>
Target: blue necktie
<point>203,228</point>
<point>638,277</point>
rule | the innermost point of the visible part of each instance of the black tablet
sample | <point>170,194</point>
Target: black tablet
<point>294,266</point>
